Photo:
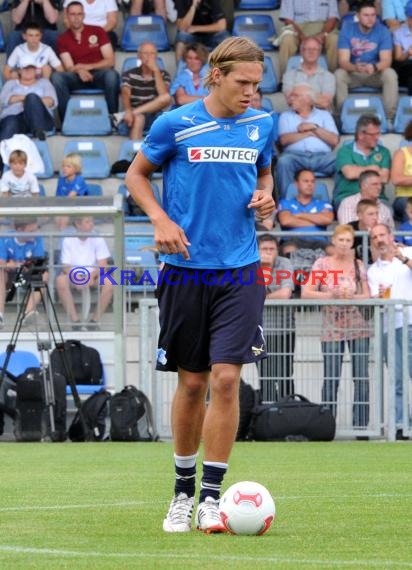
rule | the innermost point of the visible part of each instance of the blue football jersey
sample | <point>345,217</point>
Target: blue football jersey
<point>209,175</point>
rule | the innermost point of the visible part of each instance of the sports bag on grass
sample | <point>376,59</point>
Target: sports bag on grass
<point>294,417</point>
<point>84,362</point>
<point>131,416</point>
<point>94,410</point>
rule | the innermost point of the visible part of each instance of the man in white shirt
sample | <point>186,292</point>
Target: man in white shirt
<point>87,253</point>
<point>391,277</point>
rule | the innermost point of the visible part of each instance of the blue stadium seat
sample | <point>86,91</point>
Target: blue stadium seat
<point>2,39</point>
<point>403,114</point>
<point>138,29</point>
<point>294,62</point>
<point>86,116</point>
<point>19,361</point>
<point>140,260</point>
<point>124,192</point>
<point>94,189</point>
<point>43,149</point>
<point>133,61</point>
<point>258,5</point>
<point>320,193</point>
<point>128,150</point>
<point>355,106</point>
<point>269,83</point>
<point>42,191</point>
<point>95,160</point>
<point>258,27</point>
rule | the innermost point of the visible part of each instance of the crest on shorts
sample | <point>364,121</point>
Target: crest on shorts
<point>252,132</point>
<point>161,356</point>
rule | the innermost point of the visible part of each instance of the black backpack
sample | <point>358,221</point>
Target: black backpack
<point>131,416</point>
<point>94,411</point>
<point>83,361</point>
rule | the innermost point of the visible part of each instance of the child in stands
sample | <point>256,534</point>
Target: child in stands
<point>18,182</point>
<point>71,183</point>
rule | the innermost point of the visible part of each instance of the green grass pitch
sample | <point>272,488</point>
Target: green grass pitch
<point>100,505</point>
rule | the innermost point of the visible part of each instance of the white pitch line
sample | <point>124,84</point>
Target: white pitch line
<point>140,503</point>
<point>213,558</point>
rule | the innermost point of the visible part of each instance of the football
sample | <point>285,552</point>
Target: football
<point>247,508</point>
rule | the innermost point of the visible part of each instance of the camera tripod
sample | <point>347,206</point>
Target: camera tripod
<point>34,283</point>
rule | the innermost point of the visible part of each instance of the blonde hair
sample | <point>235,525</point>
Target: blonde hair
<point>344,229</point>
<point>18,156</point>
<point>75,160</point>
<point>231,51</point>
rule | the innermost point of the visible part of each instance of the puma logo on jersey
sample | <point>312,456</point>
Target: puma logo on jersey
<point>190,119</point>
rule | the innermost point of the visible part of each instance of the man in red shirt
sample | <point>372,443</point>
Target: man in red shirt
<point>88,59</point>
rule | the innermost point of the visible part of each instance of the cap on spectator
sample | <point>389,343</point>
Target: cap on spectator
<point>26,61</point>
<point>408,9</point>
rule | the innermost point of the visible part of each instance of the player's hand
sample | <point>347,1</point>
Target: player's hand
<point>170,238</point>
<point>263,203</point>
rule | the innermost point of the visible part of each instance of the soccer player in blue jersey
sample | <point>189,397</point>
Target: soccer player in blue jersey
<point>216,156</point>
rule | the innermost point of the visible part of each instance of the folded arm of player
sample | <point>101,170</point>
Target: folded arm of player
<point>169,237</point>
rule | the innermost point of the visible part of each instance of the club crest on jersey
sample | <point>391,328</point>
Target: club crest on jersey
<point>222,154</point>
<point>252,132</point>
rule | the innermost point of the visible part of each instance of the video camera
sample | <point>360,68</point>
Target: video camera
<point>30,270</point>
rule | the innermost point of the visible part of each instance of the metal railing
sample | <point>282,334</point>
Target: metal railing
<point>365,403</point>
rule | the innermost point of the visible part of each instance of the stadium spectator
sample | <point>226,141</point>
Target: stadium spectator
<point>393,13</point>
<point>304,214</point>
<point>145,93</point>
<point>101,13</point>
<point>367,217</point>
<point>90,252</point>
<point>364,153</point>
<point>345,279</point>
<point>276,371</point>
<point>308,19</point>
<point>401,176</point>
<point>391,276</point>
<point>27,103</point>
<point>370,188</point>
<point>42,55</point>
<point>45,13</point>
<point>18,182</point>
<point>15,250</point>
<point>402,50</point>
<point>88,60</point>
<point>138,7</point>
<point>188,85</point>
<point>365,58</point>
<point>71,182</point>
<point>407,226</point>
<point>199,22</point>
<point>307,136</point>
<point>310,71</point>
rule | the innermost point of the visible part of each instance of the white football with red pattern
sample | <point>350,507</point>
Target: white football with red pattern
<point>247,508</point>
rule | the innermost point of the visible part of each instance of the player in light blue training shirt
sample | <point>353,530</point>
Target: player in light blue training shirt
<point>216,158</point>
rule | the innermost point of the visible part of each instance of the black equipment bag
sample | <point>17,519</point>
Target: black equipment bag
<point>247,398</point>
<point>32,417</point>
<point>294,417</point>
<point>131,416</point>
<point>83,361</point>
<point>94,411</point>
